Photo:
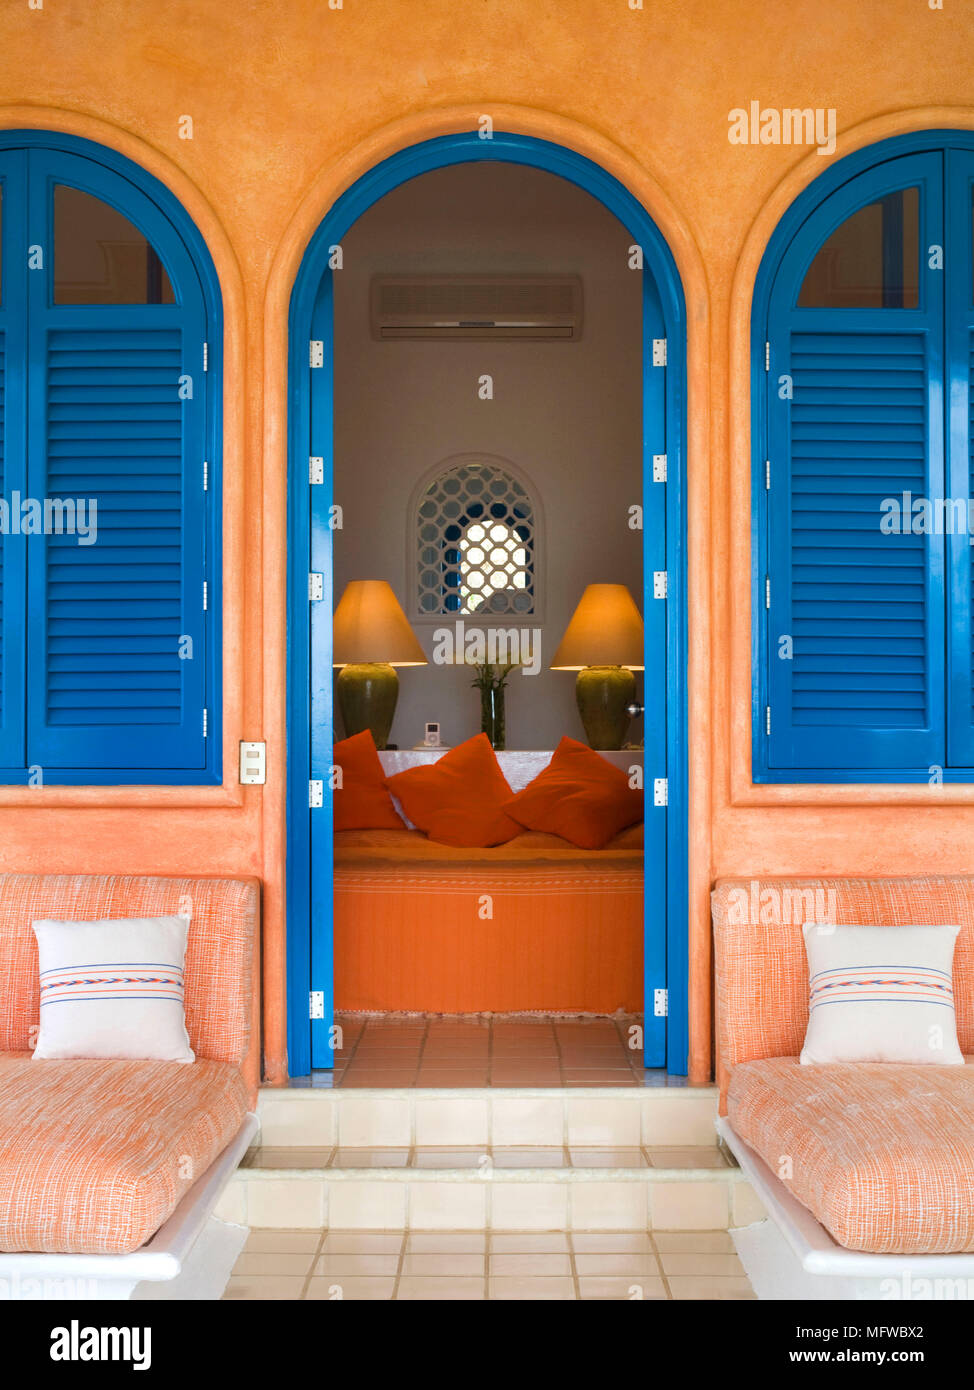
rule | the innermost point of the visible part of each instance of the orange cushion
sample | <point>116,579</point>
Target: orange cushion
<point>580,796</point>
<point>881,1153</point>
<point>362,802</point>
<point>457,800</point>
<point>95,1155</point>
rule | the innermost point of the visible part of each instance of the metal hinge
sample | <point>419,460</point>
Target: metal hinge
<point>316,587</point>
<point>661,791</point>
<point>767,357</point>
<point>253,764</point>
<point>659,583</point>
<point>659,352</point>
<point>661,1003</point>
<point>206,723</point>
<point>316,794</point>
<point>767,591</point>
<point>316,1003</point>
<point>206,595</point>
<point>316,469</point>
<point>206,476</point>
<point>206,357</point>
<point>767,474</point>
<point>659,468</point>
<point>767,720</point>
<point>317,352</point>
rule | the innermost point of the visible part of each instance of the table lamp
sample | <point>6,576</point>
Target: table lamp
<point>604,644</point>
<point>371,636</point>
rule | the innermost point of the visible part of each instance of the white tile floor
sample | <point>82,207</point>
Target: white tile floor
<point>464,1265</point>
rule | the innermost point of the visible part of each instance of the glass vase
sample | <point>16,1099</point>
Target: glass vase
<point>492,714</point>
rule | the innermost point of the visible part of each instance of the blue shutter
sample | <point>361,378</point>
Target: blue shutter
<point>13,376</point>
<point>863,690</point>
<point>960,356</point>
<point>108,689</point>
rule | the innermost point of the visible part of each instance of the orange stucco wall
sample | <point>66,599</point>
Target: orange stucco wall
<point>290,103</point>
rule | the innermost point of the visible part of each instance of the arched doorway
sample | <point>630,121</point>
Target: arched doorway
<point>310,550</point>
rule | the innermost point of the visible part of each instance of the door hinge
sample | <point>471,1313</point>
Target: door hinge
<point>659,352</point>
<point>767,720</point>
<point>316,469</point>
<point>661,791</point>
<point>659,468</point>
<point>659,584</point>
<point>253,764</point>
<point>206,357</point>
<point>316,1003</point>
<point>206,723</point>
<point>317,352</point>
<point>316,794</point>
<point>767,357</point>
<point>206,476</point>
<point>661,1003</point>
<point>316,587</point>
<point>767,474</point>
<point>767,591</point>
<point>206,595</point>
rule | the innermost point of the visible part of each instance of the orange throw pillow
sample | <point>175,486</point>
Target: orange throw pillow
<point>580,796</point>
<point>457,800</point>
<point>362,802</point>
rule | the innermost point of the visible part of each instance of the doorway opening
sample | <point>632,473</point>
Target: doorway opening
<point>490,419</point>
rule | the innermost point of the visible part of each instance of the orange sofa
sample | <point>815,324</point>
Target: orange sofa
<point>880,1154</point>
<point>535,924</point>
<point>95,1156</point>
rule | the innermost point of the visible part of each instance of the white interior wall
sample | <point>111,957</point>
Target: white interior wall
<point>568,415</point>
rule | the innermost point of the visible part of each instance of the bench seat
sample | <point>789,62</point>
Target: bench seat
<point>881,1154</point>
<point>95,1155</point>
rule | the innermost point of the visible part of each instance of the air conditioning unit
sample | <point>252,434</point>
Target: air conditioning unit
<point>545,308</point>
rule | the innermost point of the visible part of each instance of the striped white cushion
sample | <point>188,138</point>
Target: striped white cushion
<point>113,989</point>
<point>880,994</point>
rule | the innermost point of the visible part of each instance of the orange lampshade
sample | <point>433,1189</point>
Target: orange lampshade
<point>370,626</point>
<point>606,630</point>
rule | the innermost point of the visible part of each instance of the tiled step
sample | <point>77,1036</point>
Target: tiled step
<point>483,1192</point>
<point>608,1117</point>
<point>532,1160</point>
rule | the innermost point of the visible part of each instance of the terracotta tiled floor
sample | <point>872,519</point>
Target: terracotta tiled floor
<point>450,1265</point>
<point>516,1050</point>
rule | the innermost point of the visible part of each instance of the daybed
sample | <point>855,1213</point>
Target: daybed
<point>534,924</point>
<point>866,1169</point>
<point>109,1169</point>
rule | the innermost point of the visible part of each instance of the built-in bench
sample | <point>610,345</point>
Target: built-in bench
<point>866,1170</point>
<point>109,1170</point>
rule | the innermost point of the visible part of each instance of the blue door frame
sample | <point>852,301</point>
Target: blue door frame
<point>309,736</point>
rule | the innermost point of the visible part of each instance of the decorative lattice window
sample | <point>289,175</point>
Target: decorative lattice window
<point>476,543</point>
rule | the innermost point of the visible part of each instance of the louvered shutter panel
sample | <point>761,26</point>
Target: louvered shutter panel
<point>114,684</point>
<point>13,295</point>
<point>863,689</point>
<point>960,357</point>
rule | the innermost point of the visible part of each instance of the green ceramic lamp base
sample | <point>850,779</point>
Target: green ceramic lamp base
<point>603,694</point>
<point>367,695</point>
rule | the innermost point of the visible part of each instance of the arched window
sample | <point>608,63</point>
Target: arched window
<point>474,542</point>
<point>109,350</point>
<point>864,326</point>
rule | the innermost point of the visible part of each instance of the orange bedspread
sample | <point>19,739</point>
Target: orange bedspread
<point>531,925</point>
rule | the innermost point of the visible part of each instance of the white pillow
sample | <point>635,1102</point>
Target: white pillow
<point>113,989</point>
<point>881,994</point>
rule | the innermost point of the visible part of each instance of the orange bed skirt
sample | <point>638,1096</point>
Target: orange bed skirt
<point>534,925</point>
